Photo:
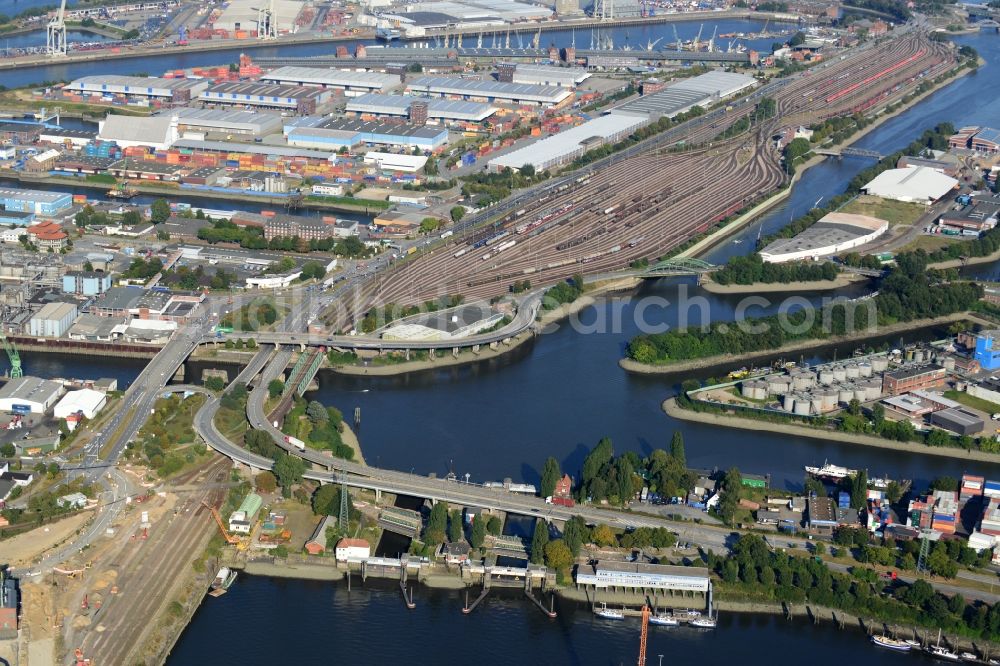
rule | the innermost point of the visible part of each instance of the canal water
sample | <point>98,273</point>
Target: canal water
<point>264,621</point>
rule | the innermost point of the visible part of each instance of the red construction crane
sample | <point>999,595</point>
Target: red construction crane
<point>643,635</point>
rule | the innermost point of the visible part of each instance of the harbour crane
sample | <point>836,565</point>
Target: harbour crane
<point>697,39</point>
<point>267,22</point>
<point>55,33</point>
<point>13,356</point>
<point>643,635</point>
<point>677,40</point>
<point>650,45</point>
<point>711,42</point>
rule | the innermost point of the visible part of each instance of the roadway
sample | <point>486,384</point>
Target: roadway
<point>525,317</point>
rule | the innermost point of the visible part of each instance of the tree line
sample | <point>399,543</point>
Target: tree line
<point>909,292</point>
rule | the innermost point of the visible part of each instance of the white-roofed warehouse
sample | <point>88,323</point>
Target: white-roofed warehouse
<point>87,401</point>
<point>914,183</point>
<point>437,108</point>
<point>351,82</point>
<point>833,233</point>
<point>226,121</point>
<point>29,394</point>
<point>489,91</point>
<point>568,145</point>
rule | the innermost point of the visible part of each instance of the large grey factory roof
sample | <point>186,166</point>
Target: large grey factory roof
<point>568,143</point>
<point>351,125</point>
<point>40,196</point>
<point>423,19</point>
<point>261,89</point>
<point>135,81</point>
<point>331,77</point>
<point>226,118</point>
<point>255,148</point>
<point>681,96</point>
<point>525,91</point>
<point>722,84</point>
<point>667,102</point>
<point>30,388</point>
<point>398,105</point>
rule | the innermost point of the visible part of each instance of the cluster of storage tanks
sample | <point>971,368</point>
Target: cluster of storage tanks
<point>813,391</point>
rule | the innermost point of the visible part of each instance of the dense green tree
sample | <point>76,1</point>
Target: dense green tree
<point>677,448</point>
<point>558,555</point>
<point>538,541</point>
<point>265,482</point>
<point>214,383</point>
<point>494,525</point>
<point>275,388</point>
<point>478,536</point>
<point>437,525</point>
<point>317,412</point>
<point>456,530</point>
<point>575,534</point>
<point>457,213</point>
<point>550,476</point>
<point>159,211</point>
<point>288,469</point>
<point>859,490</point>
<point>732,488</point>
<point>7,450</point>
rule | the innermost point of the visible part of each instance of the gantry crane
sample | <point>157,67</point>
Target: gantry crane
<point>267,22</point>
<point>55,33</point>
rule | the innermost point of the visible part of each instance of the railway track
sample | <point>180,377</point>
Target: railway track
<point>647,203</point>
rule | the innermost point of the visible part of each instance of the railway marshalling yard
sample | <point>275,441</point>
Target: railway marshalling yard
<point>647,204</point>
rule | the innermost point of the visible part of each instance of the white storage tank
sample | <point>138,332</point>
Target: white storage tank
<point>754,390</point>
<point>845,394</point>
<point>918,355</point>
<point>826,376</point>
<point>948,363</point>
<point>839,373</point>
<point>802,405</point>
<point>873,389</point>
<point>860,394</point>
<point>880,364</point>
<point>865,368</point>
<point>828,397</point>
<point>816,404</point>
<point>853,372</point>
<point>788,403</point>
<point>778,385</point>
<point>802,381</point>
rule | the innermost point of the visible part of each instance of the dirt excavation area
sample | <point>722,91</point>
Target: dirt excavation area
<point>24,549</point>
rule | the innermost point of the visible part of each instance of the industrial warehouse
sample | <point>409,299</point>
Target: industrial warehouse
<point>833,233</point>
<point>572,143</point>
<point>684,95</point>
<point>489,91</point>
<point>337,133</point>
<point>350,82</point>
<point>402,106</point>
<point>300,99</point>
<point>223,121</point>
<point>176,91</point>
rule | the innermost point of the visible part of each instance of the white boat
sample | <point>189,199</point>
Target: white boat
<point>703,622</point>
<point>891,643</point>
<point>663,620</point>
<point>912,643</point>
<point>609,613</point>
<point>223,580</point>
<point>832,472</point>
<point>968,656</point>
<point>939,652</point>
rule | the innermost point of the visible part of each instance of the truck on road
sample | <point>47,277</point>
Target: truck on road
<point>297,443</point>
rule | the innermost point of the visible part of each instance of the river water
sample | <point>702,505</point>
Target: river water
<point>155,65</point>
<point>557,396</point>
